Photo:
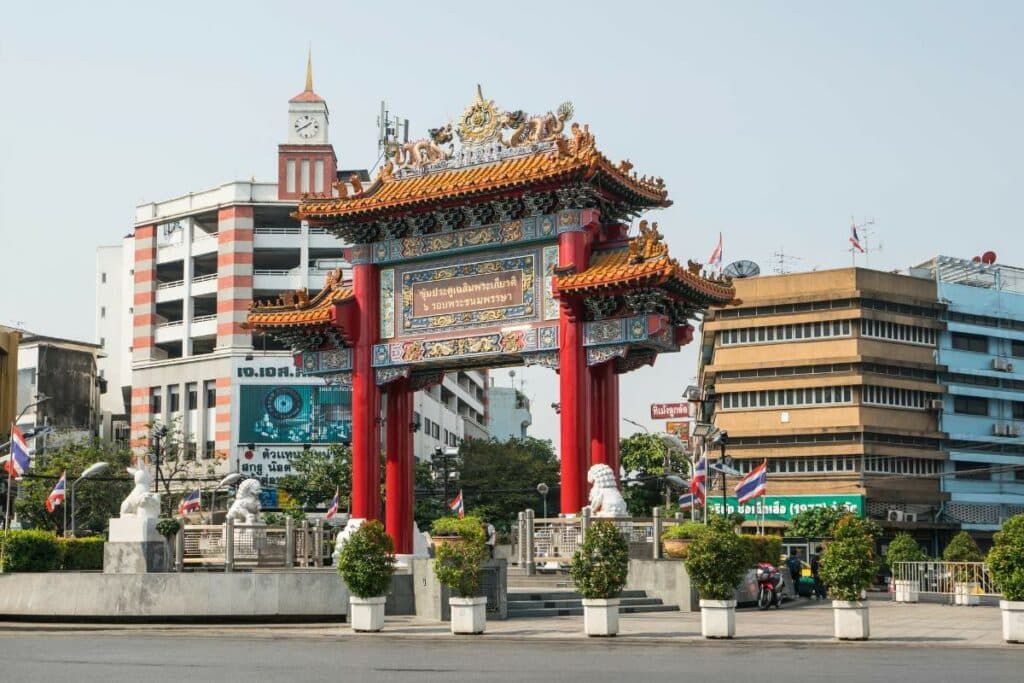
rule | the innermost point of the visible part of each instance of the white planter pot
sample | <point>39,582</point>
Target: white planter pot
<point>469,615</point>
<point>966,594</point>
<point>850,620</point>
<point>601,616</point>
<point>366,614</point>
<point>718,618</point>
<point>1013,620</point>
<point>906,591</point>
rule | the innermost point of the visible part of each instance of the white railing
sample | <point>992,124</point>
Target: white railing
<point>273,271</point>
<point>277,230</point>
<point>204,318</point>
<point>947,578</point>
<point>254,545</point>
<point>168,285</point>
<point>172,323</point>
<point>204,278</point>
<point>555,540</point>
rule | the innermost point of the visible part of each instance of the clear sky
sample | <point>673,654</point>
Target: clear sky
<point>771,122</point>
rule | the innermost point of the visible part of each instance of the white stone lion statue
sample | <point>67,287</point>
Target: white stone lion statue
<point>246,508</point>
<point>342,538</point>
<point>141,502</point>
<point>605,499</point>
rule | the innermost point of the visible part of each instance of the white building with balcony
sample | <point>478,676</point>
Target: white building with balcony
<point>172,300</point>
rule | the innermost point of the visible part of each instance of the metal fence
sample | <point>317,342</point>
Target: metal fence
<point>947,578</point>
<point>239,546</point>
<point>547,541</point>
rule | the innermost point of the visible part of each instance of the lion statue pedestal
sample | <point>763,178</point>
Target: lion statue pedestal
<point>134,545</point>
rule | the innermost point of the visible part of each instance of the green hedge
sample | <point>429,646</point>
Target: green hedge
<point>32,550</point>
<point>764,549</point>
<point>82,554</point>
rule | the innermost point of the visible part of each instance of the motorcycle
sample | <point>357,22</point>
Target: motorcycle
<point>769,582</point>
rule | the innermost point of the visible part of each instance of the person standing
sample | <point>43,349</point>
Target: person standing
<point>795,567</point>
<point>490,538</point>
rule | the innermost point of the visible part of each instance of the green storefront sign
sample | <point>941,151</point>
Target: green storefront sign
<point>782,508</point>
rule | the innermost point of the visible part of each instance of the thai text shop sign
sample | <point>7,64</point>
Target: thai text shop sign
<point>669,411</point>
<point>782,508</point>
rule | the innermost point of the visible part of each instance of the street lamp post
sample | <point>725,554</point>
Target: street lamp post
<point>159,432</point>
<point>543,489</point>
<point>91,470</point>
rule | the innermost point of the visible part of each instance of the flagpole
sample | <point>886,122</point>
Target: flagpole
<point>7,508</point>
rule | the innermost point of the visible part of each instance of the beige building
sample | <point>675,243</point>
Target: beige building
<point>8,379</point>
<point>831,376</point>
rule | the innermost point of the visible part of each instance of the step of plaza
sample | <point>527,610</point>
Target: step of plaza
<point>527,603</point>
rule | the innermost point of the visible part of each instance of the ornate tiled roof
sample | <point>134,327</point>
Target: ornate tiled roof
<point>296,309</point>
<point>645,262</point>
<point>424,174</point>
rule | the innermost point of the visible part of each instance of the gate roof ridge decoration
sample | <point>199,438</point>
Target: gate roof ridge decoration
<point>295,310</point>
<point>430,174</point>
<point>644,262</point>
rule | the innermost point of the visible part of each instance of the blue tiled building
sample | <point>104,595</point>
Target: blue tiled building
<point>981,360</point>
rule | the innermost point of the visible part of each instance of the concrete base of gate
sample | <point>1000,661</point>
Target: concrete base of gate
<point>309,595</point>
<point>432,598</point>
<point>666,580</point>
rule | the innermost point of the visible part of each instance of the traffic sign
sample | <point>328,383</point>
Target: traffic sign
<point>668,411</point>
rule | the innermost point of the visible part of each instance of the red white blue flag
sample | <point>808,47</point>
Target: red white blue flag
<point>753,485</point>
<point>716,256</point>
<point>191,502</point>
<point>855,238</point>
<point>56,496</point>
<point>699,479</point>
<point>333,510</point>
<point>686,501</point>
<point>19,460</point>
<point>457,506</point>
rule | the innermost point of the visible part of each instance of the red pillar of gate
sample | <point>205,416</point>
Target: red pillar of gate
<point>365,396</point>
<point>599,386</point>
<point>574,382</point>
<point>398,471</point>
<point>612,421</point>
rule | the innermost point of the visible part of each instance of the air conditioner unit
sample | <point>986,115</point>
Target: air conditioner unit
<point>937,404</point>
<point>910,517</point>
<point>1002,364</point>
<point>999,429</point>
<point>1012,430</point>
<point>895,515</point>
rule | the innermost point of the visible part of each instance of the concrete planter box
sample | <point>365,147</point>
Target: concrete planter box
<point>850,620</point>
<point>718,618</point>
<point>601,616</point>
<point>676,548</point>
<point>966,594</point>
<point>1013,620</point>
<point>469,615</point>
<point>906,591</point>
<point>366,614</point>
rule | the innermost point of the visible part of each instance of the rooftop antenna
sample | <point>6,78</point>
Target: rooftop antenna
<point>783,262</point>
<point>864,231</point>
<point>390,129</point>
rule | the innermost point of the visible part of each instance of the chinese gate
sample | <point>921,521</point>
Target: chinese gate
<point>507,251</point>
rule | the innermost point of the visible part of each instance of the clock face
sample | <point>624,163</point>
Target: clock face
<point>306,126</point>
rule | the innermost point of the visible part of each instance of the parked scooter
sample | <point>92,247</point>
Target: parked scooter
<point>769,582</point>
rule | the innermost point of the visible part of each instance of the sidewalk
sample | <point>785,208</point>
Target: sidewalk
<point>798,624</point>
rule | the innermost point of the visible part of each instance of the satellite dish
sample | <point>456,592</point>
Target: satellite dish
<point>988,258</point>
<point>742,269</point>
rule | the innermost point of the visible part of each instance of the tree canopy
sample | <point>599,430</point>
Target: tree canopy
<point>645,454</point>
<point>316,475</point>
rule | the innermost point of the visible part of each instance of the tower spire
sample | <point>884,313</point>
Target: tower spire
<point>309,70</point>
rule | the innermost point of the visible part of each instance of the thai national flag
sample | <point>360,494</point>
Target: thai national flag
<point>56,496</point>
<point>457,506</point>
<point>19,460</point>
<point>333,510</point>
<point>686,501</point>
<point>699,479</point>
<point>716,255</point>
<point>752,485</point>
<point>191,502</point>
<point>855,238</point>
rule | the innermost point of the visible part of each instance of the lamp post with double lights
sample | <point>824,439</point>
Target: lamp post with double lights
<point>91,471</point>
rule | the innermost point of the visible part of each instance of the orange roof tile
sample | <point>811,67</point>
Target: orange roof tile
<point>557,165</point>
<point>295,309</point>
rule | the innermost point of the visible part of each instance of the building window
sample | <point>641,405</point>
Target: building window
<point>210,389</point>
<point>970,342</point>
<point>173,399</point>
<point>783,333</point>
<point>782,398</point>
<point>103,342</point>
<point>318,176</point>
<point>1017,348</point>
<point>896,398</point>
<point>289,175</point>
<point>436,431</point>
<point>103,311</point>
<point>447,441</point>
<point>155,405</point>
<point>210,449</point>
<point>970,405</point>
<point>191,396</point>
<point>304,181</point>
<point>972,470</point>
<point>905,334</point>
<point>1018,410</point>
<point>426,426</point>
<point>103,278</point>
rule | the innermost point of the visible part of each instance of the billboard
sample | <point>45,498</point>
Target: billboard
<point>668,411</point>
<point>294,414</point>
<point>782,508</point>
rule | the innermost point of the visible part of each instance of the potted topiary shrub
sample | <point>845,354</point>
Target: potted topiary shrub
<point>458,565</point>
<point>904,548</point>
<point>366,563</point>
<point>678,537</point>
<point>717,560</point>
<point>963,549</point>
<point>847,567</point>
<point>599,569</point>
<point>1006,564</point>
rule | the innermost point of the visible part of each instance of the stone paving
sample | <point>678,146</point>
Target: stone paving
<point>802,623</point>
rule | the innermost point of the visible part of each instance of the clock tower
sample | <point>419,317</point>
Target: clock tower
<point>306,163</point>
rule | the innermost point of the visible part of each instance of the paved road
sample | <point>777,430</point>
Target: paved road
<point>159,658</point>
